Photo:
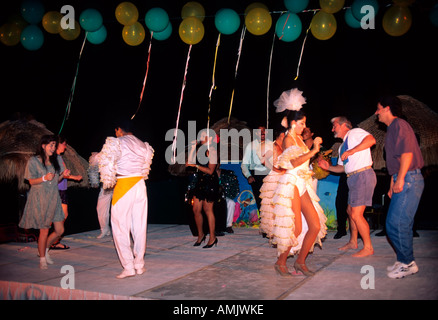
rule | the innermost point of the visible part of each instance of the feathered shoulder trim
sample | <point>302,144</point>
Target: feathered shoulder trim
<point>107,159</point>
<point>148,160</point>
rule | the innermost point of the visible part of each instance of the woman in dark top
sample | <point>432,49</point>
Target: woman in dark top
<point>206,191</point>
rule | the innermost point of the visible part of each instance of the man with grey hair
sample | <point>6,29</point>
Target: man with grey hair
<point>355,160</point>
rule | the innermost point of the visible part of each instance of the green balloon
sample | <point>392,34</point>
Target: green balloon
<point>296,6</point>
<point>288,27</point>
<point>90,20</point>
<point>32,38</point>
<point>351,20</point>
<point>156,19</point>
<point>163,35</point>
<point>97,37</point>
<point>227,21</point>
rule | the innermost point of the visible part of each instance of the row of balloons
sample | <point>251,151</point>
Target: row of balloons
<point>396,21</point>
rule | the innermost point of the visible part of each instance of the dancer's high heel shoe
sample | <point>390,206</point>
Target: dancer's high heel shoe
<point>299,267</point>
<point>282,273</point>
<point>211,245</point>
<point>197,244</point>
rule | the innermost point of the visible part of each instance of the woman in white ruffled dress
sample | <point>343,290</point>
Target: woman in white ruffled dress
<point>299,220</point>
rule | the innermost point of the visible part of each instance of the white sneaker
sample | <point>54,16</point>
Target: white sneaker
<point>393,267</point>
<point>403,270</point>
<point>126,273</point>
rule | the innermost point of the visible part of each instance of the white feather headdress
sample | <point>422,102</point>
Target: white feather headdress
<point>290,100</point>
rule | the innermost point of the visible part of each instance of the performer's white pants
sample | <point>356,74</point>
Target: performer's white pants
<point>103,209</point>
<point>231,207</point>
<point>129,216</point>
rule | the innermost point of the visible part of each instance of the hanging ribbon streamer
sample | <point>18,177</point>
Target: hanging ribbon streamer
<point>302,48</point>
<point>213,87</point>
<point>175,134</point>
<point>72,91</point>
<point>269,82</point>
<point>145,77</point>
<point>239,52</point>
<point>284,26</point>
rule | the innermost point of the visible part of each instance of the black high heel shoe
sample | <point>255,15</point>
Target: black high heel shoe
<point>211,245</point>
<point>197,244</point>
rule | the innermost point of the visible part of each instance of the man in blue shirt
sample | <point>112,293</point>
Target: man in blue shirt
<point>404,162</point>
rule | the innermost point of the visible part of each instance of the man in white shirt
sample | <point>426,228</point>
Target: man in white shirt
<point>355,160</point>
<point>125,162</point>
<point>254,166</point>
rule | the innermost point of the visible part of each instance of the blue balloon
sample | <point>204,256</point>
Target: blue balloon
<point>163,35</point>
<point>227,21</point>
<point>98,36</point>
<point>357,6</point>
<point>156,19</point>
<point>351,20</point>
<point>296,6</point>
<point>32,11</point>
<point>288,27</point>
<point>32,38</point>
<point>90,20</point>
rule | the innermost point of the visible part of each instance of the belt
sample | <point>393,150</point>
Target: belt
<point>357,171</point>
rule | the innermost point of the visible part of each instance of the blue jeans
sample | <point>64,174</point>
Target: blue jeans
<point>401,213</point>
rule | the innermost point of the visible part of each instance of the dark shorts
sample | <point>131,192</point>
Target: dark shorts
<point>361,188</point>
<point>63,195</point>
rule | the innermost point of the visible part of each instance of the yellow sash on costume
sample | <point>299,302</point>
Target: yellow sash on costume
<point>123,186</point>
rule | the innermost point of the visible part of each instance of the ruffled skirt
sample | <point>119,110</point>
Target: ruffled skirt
<point>283,228</point>
<point>266,205</point>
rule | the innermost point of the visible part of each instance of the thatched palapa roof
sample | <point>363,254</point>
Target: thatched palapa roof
<point>424,122</point>
<point>19,140</point>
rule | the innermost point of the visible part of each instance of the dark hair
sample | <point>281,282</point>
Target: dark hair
<point>61,139</point>
<point>294,116</point>
<point>393,103</point>
<point>46,139</point>
<point>278,130</point>
<point>125,125</point>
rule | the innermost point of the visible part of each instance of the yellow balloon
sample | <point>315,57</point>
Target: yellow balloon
<point>191,30</point>
<point>193,9</point>
<point>10,34</point>
<point>255,5</point>
<point>258,21</point>
<point>52,22</point>
<point>323,25</point>
<point>331,6</point>
<point>127,13</point>
<point>134,34</point>
<point>397,20</point>
<point>71,34</point>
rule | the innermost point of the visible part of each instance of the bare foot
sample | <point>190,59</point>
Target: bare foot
<point>363,253</point>
<point>348,246</point>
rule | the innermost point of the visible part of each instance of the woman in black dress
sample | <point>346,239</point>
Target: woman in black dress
<point>204,158</point>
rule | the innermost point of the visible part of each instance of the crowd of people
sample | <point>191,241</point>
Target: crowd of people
<point>278,171</point>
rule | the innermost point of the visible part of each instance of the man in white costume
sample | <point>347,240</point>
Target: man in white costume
<point>124,163</point>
